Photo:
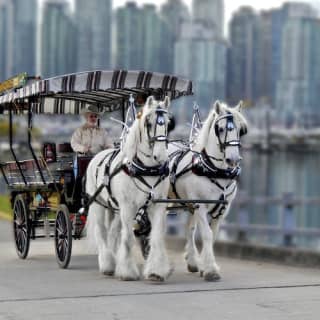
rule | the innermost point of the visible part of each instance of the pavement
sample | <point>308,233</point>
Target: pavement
<point>36,288</point>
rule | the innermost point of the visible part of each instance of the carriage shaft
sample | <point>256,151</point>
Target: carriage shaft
<point>183,201</point>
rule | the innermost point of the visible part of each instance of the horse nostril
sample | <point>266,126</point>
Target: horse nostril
<point>155,158</point>
<point>228,161</point>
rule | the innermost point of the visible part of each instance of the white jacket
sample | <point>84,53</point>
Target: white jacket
<point>95,138</point>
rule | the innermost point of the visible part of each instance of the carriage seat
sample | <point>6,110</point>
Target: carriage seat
<point>65,147</point>
<point>82,163</point>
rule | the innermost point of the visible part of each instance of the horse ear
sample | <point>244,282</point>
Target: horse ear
<point>166,102</point>
<point>239,106</point>
<point>150,101</point>
<point>217,107</point>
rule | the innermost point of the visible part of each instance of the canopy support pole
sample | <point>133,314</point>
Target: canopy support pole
<point>30,143</point>
<point>11,146</point>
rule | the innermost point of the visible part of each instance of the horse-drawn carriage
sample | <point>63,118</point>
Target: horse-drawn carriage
<point>46,183</point>
<point>127,188</point>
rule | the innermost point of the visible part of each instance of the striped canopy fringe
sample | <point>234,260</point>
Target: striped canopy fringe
<point>69,94</point>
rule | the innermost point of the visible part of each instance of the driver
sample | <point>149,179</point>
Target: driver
<point>90,138</point>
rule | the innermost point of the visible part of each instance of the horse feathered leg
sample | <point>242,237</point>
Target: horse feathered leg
<point>105,255</point>
<point>157,267</point>
<point>207,259</point>
<point>114,233</point>
<point>191,252</point>
<point>126,268</point>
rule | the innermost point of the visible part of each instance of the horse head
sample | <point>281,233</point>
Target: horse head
<point>148,134</point>
<point>221,133</point>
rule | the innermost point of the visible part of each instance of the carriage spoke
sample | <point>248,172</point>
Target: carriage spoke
<point>23,240</point>
<point>18,240</point>
<point>61,251</point>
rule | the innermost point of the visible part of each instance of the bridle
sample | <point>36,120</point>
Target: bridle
<point>230,125</point>
<point>160,121</point>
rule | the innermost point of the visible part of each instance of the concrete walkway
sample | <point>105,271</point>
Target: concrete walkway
<point>37,289</point>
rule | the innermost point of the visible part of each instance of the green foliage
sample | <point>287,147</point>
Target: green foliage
<point>5,205</point>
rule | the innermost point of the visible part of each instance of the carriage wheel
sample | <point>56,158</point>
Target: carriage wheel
<point>21,226</point>
<point>63,236</point>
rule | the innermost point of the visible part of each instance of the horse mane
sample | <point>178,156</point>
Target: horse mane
<point>133,136</point>
<point>132,140</point>
<point>202,138</point>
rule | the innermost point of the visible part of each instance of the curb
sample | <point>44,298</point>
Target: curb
<point>280,255</point>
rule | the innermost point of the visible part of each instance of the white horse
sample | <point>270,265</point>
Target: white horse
<point>208,172</point>
<point>132,175</point>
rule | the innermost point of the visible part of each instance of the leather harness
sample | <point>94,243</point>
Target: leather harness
<point>202,166</point>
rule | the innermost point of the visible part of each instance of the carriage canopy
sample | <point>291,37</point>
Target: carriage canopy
<point>109,90</point>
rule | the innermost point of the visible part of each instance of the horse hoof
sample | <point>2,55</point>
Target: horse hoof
<point>212,276</point>
<point>155,278</point>
<point>109,273</point>
<point>192,268</point>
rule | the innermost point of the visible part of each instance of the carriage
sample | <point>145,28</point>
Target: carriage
<point>46,192</point>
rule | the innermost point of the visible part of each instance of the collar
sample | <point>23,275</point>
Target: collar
<point>137,168</point>
<point>203,166</point>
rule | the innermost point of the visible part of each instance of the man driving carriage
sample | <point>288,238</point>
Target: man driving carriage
<point>90,138</point>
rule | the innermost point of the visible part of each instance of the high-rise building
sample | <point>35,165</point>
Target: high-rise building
<point>263,56</point>
<point>173,13</point>
<point>242,56</point>
<point>129,37</point>
<point>18,20</point>
<point>210,13</point>
<point>25,16</point>
<point>299,83</point>
<point>57,39</point>
<point>93,23</point>
<point>298,80</point>
<point>298,10</point>
<point>201,56</point>
<point>6,39</point>
<point>152,38</point>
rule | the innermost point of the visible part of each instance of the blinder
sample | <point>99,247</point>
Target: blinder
<point>243,131</point>
<point>160,121</point>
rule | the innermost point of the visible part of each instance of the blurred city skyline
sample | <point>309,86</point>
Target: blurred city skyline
<point>231,6</point>
<point>267,57</point>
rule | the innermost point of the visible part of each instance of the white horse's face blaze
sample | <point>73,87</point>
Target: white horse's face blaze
<point>156,128</point>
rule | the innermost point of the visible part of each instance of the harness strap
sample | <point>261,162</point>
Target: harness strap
<point>173,176</point>
<point>117,169</point>
<point>221,208</point>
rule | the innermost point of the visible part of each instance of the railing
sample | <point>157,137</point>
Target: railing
<point>287,227</point>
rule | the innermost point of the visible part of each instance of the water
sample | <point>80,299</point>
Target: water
<point>273,175</point>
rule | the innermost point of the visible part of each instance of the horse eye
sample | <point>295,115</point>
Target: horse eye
<point>221,130</point>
